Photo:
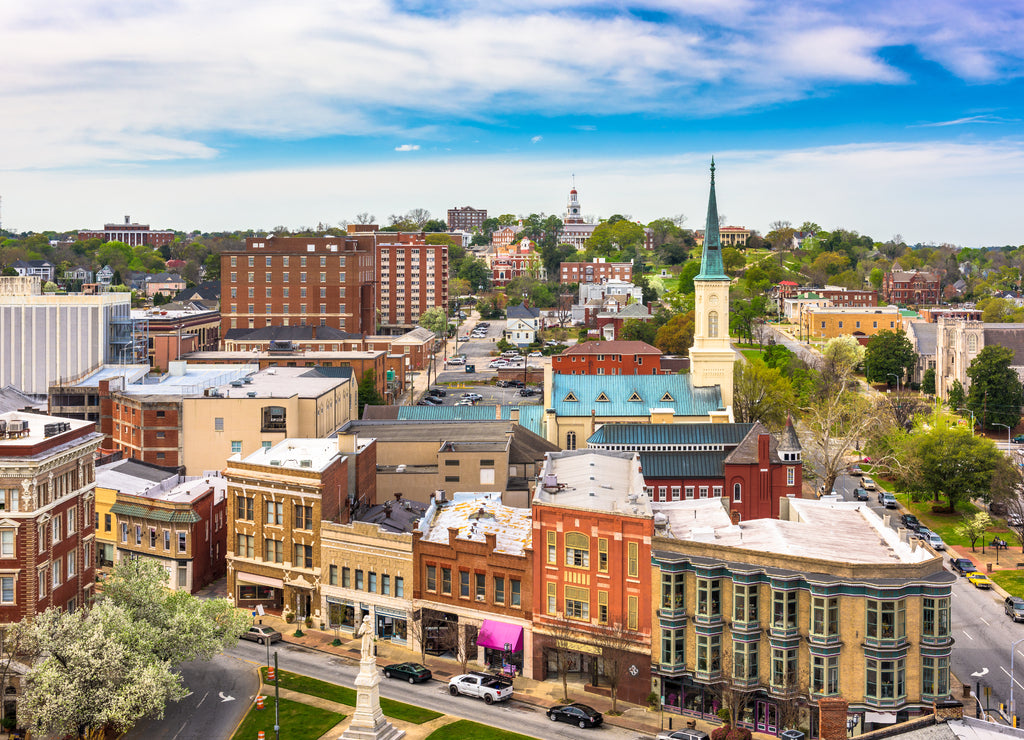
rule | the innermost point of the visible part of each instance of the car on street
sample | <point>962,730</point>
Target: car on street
<point>1014,608</point>
<point>933,539</point>
<point>963,566</point>
<point>411,672</point>
<point>910,522</point>
<point>859,494</point>
<point>464,338</point>
<point>887,500</point>
<point>261,633</point>
<point>979,580</point>
<point>1019,439</point>
<point>456,361</point>
<point>868,483</point>
<point>481,685</point>
<point>683,735</point>
<point>576,714</point>
<point>536,354</point>
<point>494,364</point>
<point>856,470</point>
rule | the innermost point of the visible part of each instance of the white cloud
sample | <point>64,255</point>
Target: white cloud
<point>407,148</point>
<point>536,139</point>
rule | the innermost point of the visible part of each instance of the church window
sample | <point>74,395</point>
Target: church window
<point>972,343</point>
<point>713,324</point>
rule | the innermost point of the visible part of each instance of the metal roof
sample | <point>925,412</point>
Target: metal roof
<point>669,434</point>
<point>181,516</point>
<point>531,417</point>
<point>683,464</point>
<point>646,391</point>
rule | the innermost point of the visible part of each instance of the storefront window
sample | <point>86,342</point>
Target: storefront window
<point>341,615</point>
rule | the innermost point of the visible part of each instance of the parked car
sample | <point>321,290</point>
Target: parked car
<point>411,672</point>
<point>979,580</point>
<point>465,402</point>
<point>859,494</point>
<point>910,522</point>
<point>887,500</point>
<point>934,540</point>
<point>536,354</point>
<point>963,566</point>
<point>516,384</point>
<point>683,735</point>
<point>1019,439</point>
<point>1014,608</point>
<point>439,392</point>
<point>527,392</point>
<point>473,396</point>
<point>261,634</point>
<point>577,714</point>
<point>431,401</point>
<point>499,363</point>
<point>481,685</point>
<point>868,483</point>
<point>456,361</point>
<point>856,470</point>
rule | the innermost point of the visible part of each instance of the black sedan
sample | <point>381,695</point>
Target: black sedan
<point>577,714</point>
<point>411,672</point>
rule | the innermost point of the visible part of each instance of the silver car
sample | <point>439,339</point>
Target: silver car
<point>261,633</point>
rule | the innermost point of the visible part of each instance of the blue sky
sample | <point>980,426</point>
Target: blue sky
<point>884,116</point>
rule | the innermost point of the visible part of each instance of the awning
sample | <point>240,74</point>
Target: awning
<point>880,718</point>
<point>260,580</point>
<point>496,635</point>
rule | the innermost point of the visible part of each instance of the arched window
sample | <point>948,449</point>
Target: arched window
<point>737,492</point>
<point>577,550</point>
<point>570,440</point>
<point>972,343</point>
<point>713,323</point>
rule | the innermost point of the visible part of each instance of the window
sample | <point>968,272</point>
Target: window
<point>303,556</point>
<point>275,512</point>
<point>72,564</point>
<point>303,517</point>
<point>7,589</point>
<point>744,661</point>
<point>935,620</point>
<point>602,555</point>
<point>570,440</point>
<point>244,547</point>
<point>359,579</point>
<point>446,581</point>
<point>790,476</point>
<point>236,446</point>
<point>673,652</point>
<point>552,598</point>
<point>274,417</point>
<point>124,533</point>
<point>713,323</point>
<point>784,609</point>
<point>72,517</point>
<point>167,539</point>
<point>552,547</point>
<point>689,492</point>
<point>737,492</point>
<point>399,586</point>
<point>346,577</point>
<point>577,603</point>
<point>515,592</point>
<point>886,620</point>
<point>41,583</point>
<point>385,584</point>
<point>744,603</point>
<point>273,551</point>
<point>371,582</point>
<point>633,560</point>
<point>106,522</point>
<point>432,578</point>
<point>244,507</point>
<point>632,612</point>
<point>481,586</point>
<point>676,490</point>
<point>602,607</point>
<point>138,534</point>
<point>885,679</point>
<point>825,674</point>
<point>784,675</point>
<point>499,590</point>
<point>825,616</point>
<point>709,654</point>
<point>152,537</point>
<point>934,676</point>
<point>703,491</point>
<point>672,591</point>
<point>577,550</point>
<point>56,532</point>
<point>55,571</point>
<point>218,424</point>
<point>7,543</point>
<point>332,577</point>
<point>709,598</point>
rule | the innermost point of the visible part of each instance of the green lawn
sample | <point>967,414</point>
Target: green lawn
<point>752,354</point>
<point>344,695</point>
<point>1011,580</point>
<point>944,524</point>
<point>298,721</point>
<point>466,729</point>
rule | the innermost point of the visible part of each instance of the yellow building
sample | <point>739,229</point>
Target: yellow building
<point>122,477</point>
<point>827,322</point>
<point>770,616</point>
<point>263,409</point>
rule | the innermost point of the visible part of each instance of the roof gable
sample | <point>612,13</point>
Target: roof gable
<point>631,395</point>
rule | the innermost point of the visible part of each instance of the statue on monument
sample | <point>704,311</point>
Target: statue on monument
<point>366,632</point>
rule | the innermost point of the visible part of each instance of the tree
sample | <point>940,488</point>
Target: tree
<point>951,463</point>
<point>973,526</point>
<point>676,336</point>
<point>928,382</point>
<point>435,225</point>
<point>475,271</point>
<point>617,236</point>
<point>955,396</point>
<point>995,393</point>
<point>435,320</point>
<point>368,394</point>
<point>888,353</point>
<point>365,218</point>
<point>733,260</point>
<point>618,651</point>
<point>876,277</point>
<point>843,353</point>
<point>686,275</point>
<point>835,422</point>
<point>637,330</point>
<point>761,393</point>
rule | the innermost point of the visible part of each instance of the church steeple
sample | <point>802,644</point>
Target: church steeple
<point>711,267</point>
<point>573,210</point>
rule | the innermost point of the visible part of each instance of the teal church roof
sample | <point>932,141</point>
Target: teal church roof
<point>711,267</point>
<point>631,395</point>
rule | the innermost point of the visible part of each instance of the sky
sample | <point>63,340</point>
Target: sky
<point>887,117</point>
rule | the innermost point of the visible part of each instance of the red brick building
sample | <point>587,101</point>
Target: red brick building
<point>744,462</point>
<point>413,278</point>
<point>47,535</point>
<point>129,233</point>
<point>608,358</point>
<point>596,271</point>
<point>516,260</point>
<point>466,218</point>
<point>299,281</point>
<point>911,287</point>
<point>592,529</point>
<point>840,297</point>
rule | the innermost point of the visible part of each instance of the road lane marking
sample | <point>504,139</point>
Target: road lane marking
<point>982,619</point>
<point>1011,677</point>
<point>202,700</point>
<point>967,635</point>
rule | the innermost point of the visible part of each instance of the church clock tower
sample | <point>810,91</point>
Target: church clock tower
<point>573,210</point>
<point>712,357</point>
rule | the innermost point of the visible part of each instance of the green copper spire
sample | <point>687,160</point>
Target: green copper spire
<point>711,260</point>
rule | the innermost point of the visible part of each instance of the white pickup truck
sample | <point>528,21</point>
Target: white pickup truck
<point>481,685</point>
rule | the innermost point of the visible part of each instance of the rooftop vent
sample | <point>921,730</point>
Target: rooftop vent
<point>237,383</point>
<point>251,394</point>
<point>247,379</point>
<point>305,463</point>
<point>275,462</point>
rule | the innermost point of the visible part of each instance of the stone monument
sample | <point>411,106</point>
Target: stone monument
<point>368,722</point>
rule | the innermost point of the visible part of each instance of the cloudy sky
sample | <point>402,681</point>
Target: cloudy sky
<point>883,116</point>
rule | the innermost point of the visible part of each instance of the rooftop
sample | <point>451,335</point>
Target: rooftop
<point>36,428</point>
<point>313,455</point>
<point>130,373</point>
<point>283,382</point>
<point>593,479</point>
<point>133,476</point>
<point>631,395</point>
<point>183,379</point>
<point>612,348</point>
<point>477,515</point>
<point>188,490</point>
<point>837,531</point>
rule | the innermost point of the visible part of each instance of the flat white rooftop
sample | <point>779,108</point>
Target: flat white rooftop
<point>33,428</point>
<point>282,382</point>
<point>476,515</point>
<point>183,379</point>
<point>594,479</point>
<point>298,453</point>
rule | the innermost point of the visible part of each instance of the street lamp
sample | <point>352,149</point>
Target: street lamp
<point>978,675</point>
<point>1013,649</point>
<point>997,424</point>
<point>894,375</point>
<point>972,418</point>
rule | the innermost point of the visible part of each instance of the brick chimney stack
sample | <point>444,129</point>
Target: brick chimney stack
<point>832,711</point>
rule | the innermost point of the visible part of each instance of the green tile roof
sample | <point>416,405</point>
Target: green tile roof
<point>179,516</point>
<point>631,395</point>
<point>728,435</point>
<point>683,464</point>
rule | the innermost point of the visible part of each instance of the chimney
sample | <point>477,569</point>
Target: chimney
<point>398,496</point>
<point>832,712</point>
<point>735,516</point>
<point>492,541</point>
<point>127,220</point>
<point>948,709</point>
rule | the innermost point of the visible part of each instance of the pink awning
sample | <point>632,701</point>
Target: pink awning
<point>496,635</point>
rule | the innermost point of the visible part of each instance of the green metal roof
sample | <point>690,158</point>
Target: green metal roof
<point>631,395</point>
<point>670,434</point>
<point>179,516</point>
<point>683,464</point>
<point>711,267</point>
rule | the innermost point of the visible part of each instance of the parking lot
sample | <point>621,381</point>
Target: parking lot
<point>479,352</point>
<point>491,394</point>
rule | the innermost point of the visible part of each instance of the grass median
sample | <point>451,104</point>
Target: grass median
<point>463,729</point>
<point>298,721</point>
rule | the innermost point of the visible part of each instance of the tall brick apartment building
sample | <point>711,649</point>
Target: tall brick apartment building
<point>299,281</point>
<point>466,218</point>
<point>413,278</point>
<point>47,537</point>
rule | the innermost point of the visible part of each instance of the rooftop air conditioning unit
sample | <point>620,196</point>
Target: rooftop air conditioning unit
<point>251,394</point>
<point>275,462</point>
<point>247,379</point>
<point>237,383</point>
<point>305,463</point>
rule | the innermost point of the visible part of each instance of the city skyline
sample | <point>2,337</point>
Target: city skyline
<point>888,118</point>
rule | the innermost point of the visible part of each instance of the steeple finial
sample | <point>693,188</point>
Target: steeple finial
<point>712,169</point>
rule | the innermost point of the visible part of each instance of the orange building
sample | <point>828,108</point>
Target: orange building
<point>592,529</point>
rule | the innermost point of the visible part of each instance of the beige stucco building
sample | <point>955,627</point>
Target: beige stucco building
<point>827,322</point>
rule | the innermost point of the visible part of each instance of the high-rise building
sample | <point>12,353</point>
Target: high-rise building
<point>466,218</point>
